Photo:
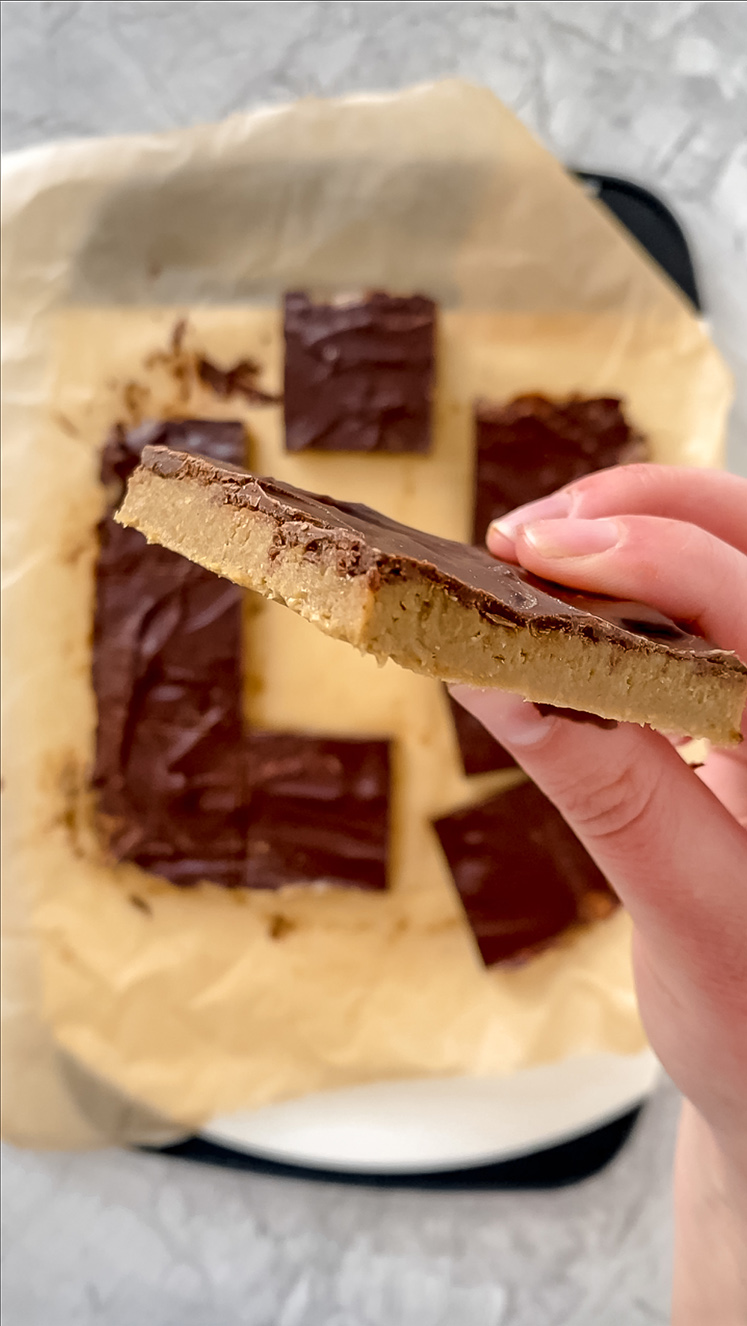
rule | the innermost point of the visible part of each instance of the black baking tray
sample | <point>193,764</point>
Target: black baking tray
<point>658,231</point>
<point>651,223</point>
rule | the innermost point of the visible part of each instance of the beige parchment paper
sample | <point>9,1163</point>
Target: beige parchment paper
<point>133,1008</point>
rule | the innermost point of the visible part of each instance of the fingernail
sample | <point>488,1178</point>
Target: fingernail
<point>547,508</point>
<point>509,718</point>
<point>572,538</point>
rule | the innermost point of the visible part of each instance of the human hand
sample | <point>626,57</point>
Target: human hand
<point>671,841</point>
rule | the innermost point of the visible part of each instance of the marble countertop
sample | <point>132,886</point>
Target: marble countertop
<point>655,92</point>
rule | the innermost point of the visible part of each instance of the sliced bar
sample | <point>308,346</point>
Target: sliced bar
<point>440,608</point>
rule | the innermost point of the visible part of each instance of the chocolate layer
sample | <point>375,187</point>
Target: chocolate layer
<point>319,810</point>
<point>170,769</point>
<point>480,752</point>
<point>357,541</point>
<point>530,447</point>
<point>359,375</point>
<point>522,875</point>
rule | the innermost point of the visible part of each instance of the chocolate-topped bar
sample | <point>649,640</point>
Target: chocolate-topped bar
<point>531,446</point>
<point>359,373</point>
<point>169,770</point>
<point>444,609</point>
<point>522,875</point>
<point>319,810</point>
<point>183,790</point>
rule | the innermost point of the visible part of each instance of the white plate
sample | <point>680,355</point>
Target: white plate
<point>443,1123</point>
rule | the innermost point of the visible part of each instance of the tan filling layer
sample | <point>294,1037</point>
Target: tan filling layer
<point>189,518</point>
<point>424,628</point>
<point>428,631</point>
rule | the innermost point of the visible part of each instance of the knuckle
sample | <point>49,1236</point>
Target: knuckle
<point>613,803</point>
<point>635,478</point>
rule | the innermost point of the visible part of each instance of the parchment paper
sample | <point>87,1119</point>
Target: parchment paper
<point>132,1007</point>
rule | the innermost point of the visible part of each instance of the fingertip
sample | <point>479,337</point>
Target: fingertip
<point>504,532</point>
<point>501,542</point>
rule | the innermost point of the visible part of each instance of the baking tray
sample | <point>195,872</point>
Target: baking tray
<point>657,230</point>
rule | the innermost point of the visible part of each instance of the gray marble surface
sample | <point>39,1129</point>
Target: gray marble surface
<point>656,92</point>
<point>122,1239</point>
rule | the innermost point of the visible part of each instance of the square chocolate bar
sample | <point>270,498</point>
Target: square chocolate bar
<point>359,374</point>
<point>530,446</point>
<point>521,873</point>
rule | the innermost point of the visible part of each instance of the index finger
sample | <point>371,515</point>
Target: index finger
<point>710,499</point>
<point>679,569</point>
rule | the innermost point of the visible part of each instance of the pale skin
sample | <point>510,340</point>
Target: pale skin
<point>672,841</point>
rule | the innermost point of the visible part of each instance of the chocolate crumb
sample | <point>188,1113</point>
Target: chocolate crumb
<point>66,425</point>
<point>279,926</point>
<point>239,380</point>
<point>177,336</point>
<point>134,396</point>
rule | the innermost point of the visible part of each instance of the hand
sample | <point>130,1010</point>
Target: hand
<point>672,842</point>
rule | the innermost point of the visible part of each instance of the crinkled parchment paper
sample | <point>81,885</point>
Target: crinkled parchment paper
<point>130,1003</point>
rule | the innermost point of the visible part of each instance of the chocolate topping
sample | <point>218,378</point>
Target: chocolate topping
<point>170,766</point>
<point>521,873</point>
<point>532,446</point>
<point>319,810</point>
<point>359,376</point>
<point>359,541</point>
<point>480,752</point>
